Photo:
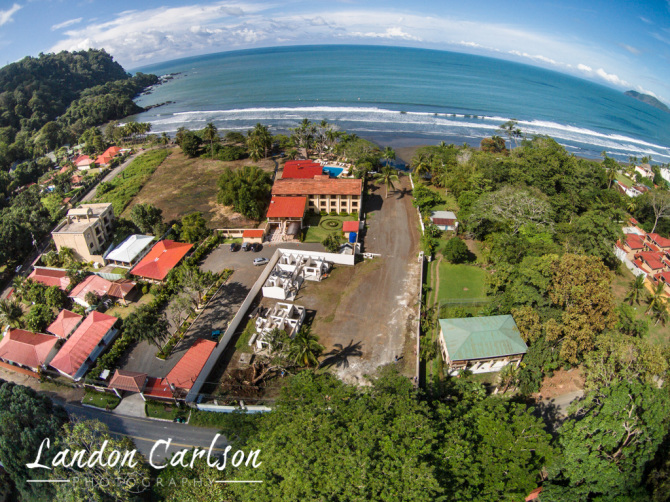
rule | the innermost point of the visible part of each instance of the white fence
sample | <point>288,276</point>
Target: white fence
<point>621,254</point>
<point>216,408</point>
<point>417,209</point>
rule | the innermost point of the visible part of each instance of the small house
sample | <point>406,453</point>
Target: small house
<point>444,220</point>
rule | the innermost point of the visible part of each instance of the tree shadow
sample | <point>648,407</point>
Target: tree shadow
<point>339,355</point>
<point>400,194</point>
<point>550,413</point>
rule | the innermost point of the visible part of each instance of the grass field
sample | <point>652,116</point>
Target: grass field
<point>122,312</point>
<point>461,281</point>
<point>101,399</point>
<point>166,411</point>
<point>182,185</point>
<point>319,228</point>
<point>122,189</point>
<point>625,180</point>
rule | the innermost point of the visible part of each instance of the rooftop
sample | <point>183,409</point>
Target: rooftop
<point>287,207</point>
<point>93,283</point>
<point>301,169</point>
<point>350,226</point>
<point>651,258</point>
<point>130,381</point>
<point>74,353</point>
<point>660,241</point>
<point>329,186</point>
<point>130,248</point>
<point>50,277</point>
<point>64,323</point>
<point>481,337</point>
<point>162,258</point>
<point>26,348</point>
<point>89,209</point>
<point>634,241</point>
<point>251,233</point>
<point>186,371</point>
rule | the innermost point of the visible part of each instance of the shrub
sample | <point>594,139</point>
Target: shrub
<point>354,214</point>
<point>323,213</point>
<point>456,251</point>
<point>332,242</point>
<point>333,213</point>
<point>344,213</point>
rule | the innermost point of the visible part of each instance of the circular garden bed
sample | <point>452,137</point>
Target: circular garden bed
<point>330,223</point>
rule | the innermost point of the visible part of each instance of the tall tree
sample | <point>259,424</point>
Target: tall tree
<point>660,203</point>
<point>388,176</point>
<point>11,312</point>
<point>656,298</point>
<point>210,133</point>
<point>146,324</point>
<point>304,349</point>
<point>635,290</point>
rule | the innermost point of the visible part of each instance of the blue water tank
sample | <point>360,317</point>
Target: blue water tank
<point>352,237</point>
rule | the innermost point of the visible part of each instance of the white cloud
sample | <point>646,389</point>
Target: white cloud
<point>645,20</point>
<point>584,67</point>
<point>65,24</point>
<point>390,33</point>
<point>630,49</point>
<point>6,15</point>
<point>611,78</point>
<point>536,57</point>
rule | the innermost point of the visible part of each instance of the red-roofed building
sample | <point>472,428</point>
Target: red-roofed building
<point>64,169</point>
<point>84,346</point>
<point>254,236</point>
<point>50,277</point>
<point>27,349</point>
<point>323,193</point>
<point>285,217</point>
<point>301,169</point>
<point>162,258</point>
<point>157,388</point>
<point>660,242</point>
<point>663,277</point>
<point>100,287</point>
<point>350,226</point>
<point>634,242</point>
<point>186,371</point>
<point>107,155</point>
<point>83,162</point>
<point>128,381</point>
<point>534,495</point>
<point>653,262</point>
<point>65,323</point>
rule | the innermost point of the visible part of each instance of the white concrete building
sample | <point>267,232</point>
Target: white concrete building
<point>283,316</point>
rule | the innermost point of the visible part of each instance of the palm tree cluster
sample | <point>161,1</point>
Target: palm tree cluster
<point>511,130</point>
<point>259,142</point>
<point>657,301</point>
<point>210,133</point>
<point>302,350</point>
<point>318,137</point>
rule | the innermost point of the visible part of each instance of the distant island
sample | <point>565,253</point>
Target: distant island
<point>646,98</point>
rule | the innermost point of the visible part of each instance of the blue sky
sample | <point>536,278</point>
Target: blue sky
<point>618,43</point>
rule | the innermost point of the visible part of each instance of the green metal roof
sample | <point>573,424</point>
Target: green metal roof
<point>482,337</point>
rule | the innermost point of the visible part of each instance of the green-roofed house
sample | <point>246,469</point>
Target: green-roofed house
<point>481,344</point>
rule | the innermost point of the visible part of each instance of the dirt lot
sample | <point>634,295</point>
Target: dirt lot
<point>562,382</point>
<point>182,185</point>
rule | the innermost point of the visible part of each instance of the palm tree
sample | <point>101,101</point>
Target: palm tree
<point>165,139</point>
<point>66,255</point>
<point>422,165</point>
<point>19,286</point>
<point>632,205</point>
<point>211,133</point>
<point>656,297</point>
<point>11,312</point>
<point>389,155</point>
<point>635,290</point>
<point>262,135</point>
<point>660,313</point>
<point>387,176</point>
<point>305,348</point>
<point>508,128</point>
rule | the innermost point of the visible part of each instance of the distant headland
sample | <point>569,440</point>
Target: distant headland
<point>646,98</point>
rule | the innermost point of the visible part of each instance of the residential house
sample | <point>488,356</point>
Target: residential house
<point>108,155</point>
<point>83,162</point>
<point>285,217</point>
<point>654,242</point>
<point>65,323</point>
<point>86,230</point>
<point>84,346</point>
<point>323,193</point>
<point>350,227</point>
<point>50,277</point>
<point>162,258</point>
<point>28,350</point>
<point>130,251</point>
<point>254,235</point>
<point>128,381</point>
<point>651,262</point>
<point>100,287</point>
<point>645,170</point>
<point>481,344</point>
<point>444,220</point>
<point>301,169</point>
<point>285,317</point>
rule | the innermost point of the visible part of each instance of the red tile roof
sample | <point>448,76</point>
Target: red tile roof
<point>665,276</point>
<point>64,169</point>
<point>534,494</point>
<point>94,284</point>
<point>301,169</point>
<point>634,241</point>
<point>120,288</point>
<point>287,207</point>
<point>253,233</point>
<point>83,341</point>
<point>108,155</point>
<point>350,226</point>
<point>26,348</point>
<point>128,380</point>
<point>64,323</point>
<point>162,258</point>
<point>444,221</point>
<point>157,387</point>
<point>633,221</point>
<point>652,259</point>
<point>327,186</point>
<point>50,277</point>
<point>660,241</point>
<point>83,160</point>
<point>187,369</point>
<point>652,247</point>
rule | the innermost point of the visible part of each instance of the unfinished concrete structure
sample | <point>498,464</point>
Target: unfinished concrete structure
<point>284,317</point>
<point>290,272</point>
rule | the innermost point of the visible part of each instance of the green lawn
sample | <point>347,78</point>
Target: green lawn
<point>119,270</point>
<point>166,411</point>
<point>625,180</point>
<point>122,312</point>
<point>461,281</point>
<point>321,226</point>
<point>100,399</point>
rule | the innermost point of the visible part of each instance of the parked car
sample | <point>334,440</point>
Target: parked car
<point>234,247</point>
<point>260,261</point>
<point>256,247</point>
<point>246,247</point>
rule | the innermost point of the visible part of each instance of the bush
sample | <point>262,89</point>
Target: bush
<point>333,213</point>
<point>332,242</point>
<point>354,214</point>
<point>323,213</point>
<point>344,213</point>
<point>456,251</point>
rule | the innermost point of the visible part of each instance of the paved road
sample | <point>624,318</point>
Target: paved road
<point>145,432</point>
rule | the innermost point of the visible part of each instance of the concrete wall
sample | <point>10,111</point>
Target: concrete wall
<point>341,259</point>
<point>229,409</point>
<point>621,254</point>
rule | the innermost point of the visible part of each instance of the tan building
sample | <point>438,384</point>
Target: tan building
<point>323,193</point>
<point>86,230</point>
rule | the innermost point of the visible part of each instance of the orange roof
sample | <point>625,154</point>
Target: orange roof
<point>64,169</point>
<point>253,233</point>
<point>108,155</point>
<point>660,241</point>
<point>287,207</point>
<point>301,169</point>
<point>162,258</point>
<point>326,186</point>
<point>83,160</point>
<point>187,369</point>
<point>157,387</point>
<point>50,277</point>
<point>350,226</point>
<point>652,259</point>
<point>26,348</point>
<point>93,283</point>
<point>534,494</point>
<point>64,323</point>
<point>83,341</point>
<point>665,276</point>
<point>128,380</point>
<point>120,288</point>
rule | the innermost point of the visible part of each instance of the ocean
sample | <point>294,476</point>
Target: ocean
<point>401,96</point>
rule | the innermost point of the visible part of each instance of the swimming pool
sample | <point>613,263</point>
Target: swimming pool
<point>333,171</point>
